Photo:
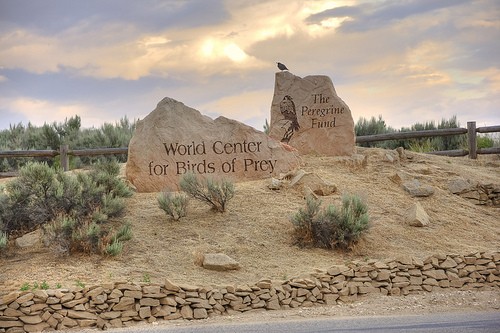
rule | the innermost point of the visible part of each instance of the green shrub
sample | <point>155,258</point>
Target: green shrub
<point>114,248</point>
<point>304,219</point>
<point>214,193</point>
<point>375,126</point>
<point>3,241</point>
<point>484,141</point>
<point>174,205</point>
<point>421,146</point>
<point>123,234</point>
<point>69,132</point>
<point>331,227</point>
<point>31,199</point>
<point>72,210</point>
<point>112,206</point>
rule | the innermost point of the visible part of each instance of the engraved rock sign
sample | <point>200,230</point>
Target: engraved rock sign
<point>307,114</point>
<point>175,139</point>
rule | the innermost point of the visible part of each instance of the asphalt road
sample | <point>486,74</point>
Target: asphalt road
<point>439,322</point>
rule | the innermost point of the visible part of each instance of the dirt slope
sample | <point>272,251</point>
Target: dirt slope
<point>256,229</point>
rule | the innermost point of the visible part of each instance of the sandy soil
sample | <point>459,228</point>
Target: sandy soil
<point>256,230</point>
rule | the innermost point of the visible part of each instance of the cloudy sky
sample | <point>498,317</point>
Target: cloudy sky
<point>407,60</point>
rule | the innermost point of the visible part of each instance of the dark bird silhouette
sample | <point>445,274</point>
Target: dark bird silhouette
<point>287,109</point>
<point>281,66</point>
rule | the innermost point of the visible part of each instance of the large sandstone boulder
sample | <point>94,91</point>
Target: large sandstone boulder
<point>175,139</point>
<point>307,114</point>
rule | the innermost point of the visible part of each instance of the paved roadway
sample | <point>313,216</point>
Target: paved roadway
<point>439,322</point>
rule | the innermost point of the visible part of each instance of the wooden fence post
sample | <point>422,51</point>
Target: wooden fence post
<point>471,135</point>
<point>63,150</point>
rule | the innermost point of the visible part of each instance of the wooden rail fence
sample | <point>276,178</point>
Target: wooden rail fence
<point>64,152</point>
<point>471,131</point>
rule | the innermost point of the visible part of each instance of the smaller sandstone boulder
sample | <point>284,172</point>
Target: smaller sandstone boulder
<point>28,240</point>
<point>396,178</point>
<point>459,185</point>
<point>416,216</point>
<point>303,180</point>
<point>276,184</point>
<point>401,153</point>
<point>219,262</point>
<point>416,189</point>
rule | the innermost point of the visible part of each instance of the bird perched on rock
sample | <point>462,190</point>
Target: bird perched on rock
<point>281,66</point>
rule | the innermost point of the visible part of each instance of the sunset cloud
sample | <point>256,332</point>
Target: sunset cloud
<point>403,60</point>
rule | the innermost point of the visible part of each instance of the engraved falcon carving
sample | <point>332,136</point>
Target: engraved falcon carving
<point>287,109</point>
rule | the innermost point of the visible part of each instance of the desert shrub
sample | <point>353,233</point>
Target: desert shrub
<point>58,233</point>
<point>331,227</point>
<point>67,234</point>
<point>374,126</point>
<point>304,219</point>
<point>111,205</point>
<point>106,174</point>
<point>5,210</point>
<point>421,146</point>
<point>212,192</point>
<point>123,234</point>
<point>31,198</point>
<point>3,241</point>
<point>485,141</point>
<point>174,205</point>
<point>115,248</point>
<point>72,210</point>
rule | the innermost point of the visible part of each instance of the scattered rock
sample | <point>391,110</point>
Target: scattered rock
<point>459,185</point>
<point>416,189</point>
<point>315,183</point>
<point>28,240</point>
<point>479,194</point>
<point>416,216</point>
<point>219,262</point>
<point>396,178</point>
<point>401,153</point>
<point>276,184</point>
<point>389,158</point>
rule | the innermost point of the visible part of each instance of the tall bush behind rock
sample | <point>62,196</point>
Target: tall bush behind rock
<point>52,136</point>
<point>375,126</point>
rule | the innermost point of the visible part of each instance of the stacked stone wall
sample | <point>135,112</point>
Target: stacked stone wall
<point>123,303</point>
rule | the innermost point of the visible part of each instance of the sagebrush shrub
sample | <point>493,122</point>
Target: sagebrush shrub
<point>173,204</point>
<point>212,192</point>
<point>123,234</point>
<point>3,241</point>
<point>331,227</point>
<point>32,198</point>
<point>115,248</point>
<point>72,210</point>
<point>303,221</point>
